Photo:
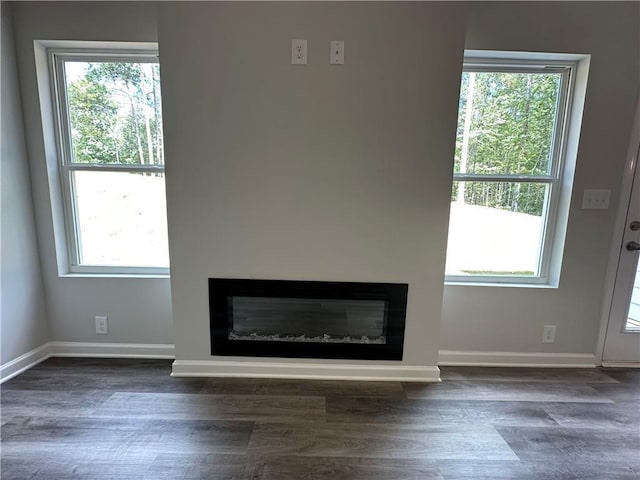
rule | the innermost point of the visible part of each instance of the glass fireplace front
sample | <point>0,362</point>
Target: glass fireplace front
<point>282,318</point>
<point>307,320</point>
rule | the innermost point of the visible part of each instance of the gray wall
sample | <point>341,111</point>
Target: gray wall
<point>511,319</point>
<point>335,173</point>
<point>139,310</point>
<point>23,322</point>
<point>316,172</point>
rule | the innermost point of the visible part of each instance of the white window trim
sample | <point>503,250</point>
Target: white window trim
<point>56,52</point>
<point>560,178</point>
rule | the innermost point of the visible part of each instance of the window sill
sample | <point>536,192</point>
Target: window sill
<point>450,283</point>
<point>116,275</point>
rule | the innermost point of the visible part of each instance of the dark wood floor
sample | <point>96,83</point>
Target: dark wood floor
<point>127,419</point>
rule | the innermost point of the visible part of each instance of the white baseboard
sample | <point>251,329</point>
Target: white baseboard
<point>516,359</point>
<point>84,349</point>
<point>620,364</point>
<point>24,362</point>
<point>112,350</point>
<point>223,368</point>
<point>315,371</point>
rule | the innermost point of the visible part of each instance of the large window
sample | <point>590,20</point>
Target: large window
<point>508,169</point>
<point>111,160</point>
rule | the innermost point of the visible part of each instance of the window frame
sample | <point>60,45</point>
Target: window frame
<point>525,62</point>
<point>57,56</point>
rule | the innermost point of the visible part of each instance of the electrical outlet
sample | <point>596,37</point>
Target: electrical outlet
<point>549,334</point>
<point>298,52</point>
<point>102,327</point>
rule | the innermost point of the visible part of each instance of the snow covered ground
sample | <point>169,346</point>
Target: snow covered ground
<point>483,239</point>
<point>122,218</point>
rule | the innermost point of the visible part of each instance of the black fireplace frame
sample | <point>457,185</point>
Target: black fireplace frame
<point>222,289</point>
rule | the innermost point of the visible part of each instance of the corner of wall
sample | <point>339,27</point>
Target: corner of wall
<point>23,314</point>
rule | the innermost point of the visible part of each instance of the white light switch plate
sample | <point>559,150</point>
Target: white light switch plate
<point>298,52</point>
<point>336,55</point>
<point>596,199</point>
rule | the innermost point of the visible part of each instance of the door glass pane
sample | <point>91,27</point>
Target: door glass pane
<point>496,228</point>
<point>633,319</point>
<point>121,218</point>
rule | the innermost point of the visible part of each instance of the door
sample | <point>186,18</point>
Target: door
<point>622,342</point>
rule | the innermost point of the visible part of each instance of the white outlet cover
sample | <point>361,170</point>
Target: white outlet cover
<point>336,55</point>
<point>549,334</point>
<point>102,325</point>
<point>298,51</point>
<point>596,199</point>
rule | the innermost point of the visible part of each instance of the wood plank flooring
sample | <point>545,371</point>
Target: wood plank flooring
<point>100,419</point>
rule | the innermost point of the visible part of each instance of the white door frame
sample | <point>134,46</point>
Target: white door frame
<point>619,230</point>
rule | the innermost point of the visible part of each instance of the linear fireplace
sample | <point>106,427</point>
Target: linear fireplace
<point>301,319</point>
